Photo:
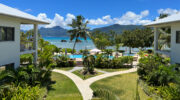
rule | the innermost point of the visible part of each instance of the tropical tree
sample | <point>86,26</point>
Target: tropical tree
<point>138,38</point>
<point>128,39</point>
<point>101,39</point>
<point>89,64</point>
<point>79,29</point>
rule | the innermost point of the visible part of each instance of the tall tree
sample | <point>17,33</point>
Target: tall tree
<point>79,29</point>
<point>100,39</point>
<point>128,39</point>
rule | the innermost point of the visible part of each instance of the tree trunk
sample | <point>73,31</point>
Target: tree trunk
<point>74,45</point>
<point>130,50</point>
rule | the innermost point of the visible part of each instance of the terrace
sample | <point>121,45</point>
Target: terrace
<point>162,37</point>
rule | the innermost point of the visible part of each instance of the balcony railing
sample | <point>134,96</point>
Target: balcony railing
<point>26,46</point>
<point>164,52</point>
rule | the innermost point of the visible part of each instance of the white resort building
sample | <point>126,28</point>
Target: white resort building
<point>10,49</point>
<point>171,23</point>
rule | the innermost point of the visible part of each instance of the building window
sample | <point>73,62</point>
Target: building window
<point>178,37</point>
<point>7,67</point>
<point>6,33</point>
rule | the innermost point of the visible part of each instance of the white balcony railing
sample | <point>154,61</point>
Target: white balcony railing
<point>26,47</point>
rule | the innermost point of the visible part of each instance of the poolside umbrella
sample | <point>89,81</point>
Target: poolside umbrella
<point>95,51</point>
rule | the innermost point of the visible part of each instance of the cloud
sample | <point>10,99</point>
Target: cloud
<point>126,19</point>
<point>168,11</point>
<point>28,10</point>
<point>133,18</point>
<point>129,18</point>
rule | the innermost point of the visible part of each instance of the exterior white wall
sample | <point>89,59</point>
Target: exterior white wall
<point>10,50</point>
<point>175,48</point>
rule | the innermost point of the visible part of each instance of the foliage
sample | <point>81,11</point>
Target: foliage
<point>170,92</point>
<point>69,50</point>
<point>20,92</point>
<point>162,78</point>
<point>89,64</point>
<point>108,52</point>
<point>148,64</point>
<point>46,57</point>
<point>26,58</point>
<point>100,39</point>
<point>79,29</point>
<point>30,75</point>
<point>64,61</point>
<point>102,61</point>
<point>163,75</point>
<point>104,94</point>
<point>138,38</point>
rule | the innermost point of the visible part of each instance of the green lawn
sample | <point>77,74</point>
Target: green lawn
<point>63,89</point>
<point>65,68</point>
<point>112,70</point>
<point>124,86</point>
<point>78,73</point>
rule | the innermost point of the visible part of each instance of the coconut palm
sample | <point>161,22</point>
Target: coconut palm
<point>79,29</point>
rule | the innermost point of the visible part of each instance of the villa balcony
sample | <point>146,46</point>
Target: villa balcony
<point>164,52</point>
<point>26,47</point>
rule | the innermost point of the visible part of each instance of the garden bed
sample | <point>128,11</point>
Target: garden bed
<point>113,69</point>
<point>79,73</point>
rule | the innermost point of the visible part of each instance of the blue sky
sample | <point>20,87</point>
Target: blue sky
<point>98,12</point>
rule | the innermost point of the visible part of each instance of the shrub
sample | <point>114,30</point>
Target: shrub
<point>148,64</point>
<point>161,76</point>
<point>104,94</point>
<point>121,62</point>
<point>170,92</point>
<point>69,50</point>
<point>26,58</point>
<point>89,64</point>
<point>64,61</point>
<point>30,75</point>
<point>19,92</point>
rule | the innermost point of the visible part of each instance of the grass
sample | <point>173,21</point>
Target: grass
<point>78,73</point>
<point>123,86</point>
<point>65,68</point>
<point>112,70</point>
<point>63,89</point>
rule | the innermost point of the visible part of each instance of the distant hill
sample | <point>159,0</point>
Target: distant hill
<point>118,28</point>
<point>56,31</point>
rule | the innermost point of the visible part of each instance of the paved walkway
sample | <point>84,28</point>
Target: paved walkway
<point>84,89</point>
<point>84,85</point>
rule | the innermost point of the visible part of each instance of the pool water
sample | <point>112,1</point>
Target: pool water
<point>81,56</point>
<point>75,56</point>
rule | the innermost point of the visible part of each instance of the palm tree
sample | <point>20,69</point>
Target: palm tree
<point>79,29</point>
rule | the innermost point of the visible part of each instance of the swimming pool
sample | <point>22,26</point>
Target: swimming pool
<point>75,56</point>
<point>81,56</point>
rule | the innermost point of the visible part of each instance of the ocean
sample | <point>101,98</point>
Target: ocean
<point>80,45</point>
<point>85,44</point>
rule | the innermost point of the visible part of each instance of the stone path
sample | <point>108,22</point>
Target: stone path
<point>101,71</point>
<point>84,89</point>
<point>75,68</point>
<point>84,85</point>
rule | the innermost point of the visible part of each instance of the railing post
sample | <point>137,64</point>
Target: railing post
<point>35,44</point>
<point>156,35</point>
